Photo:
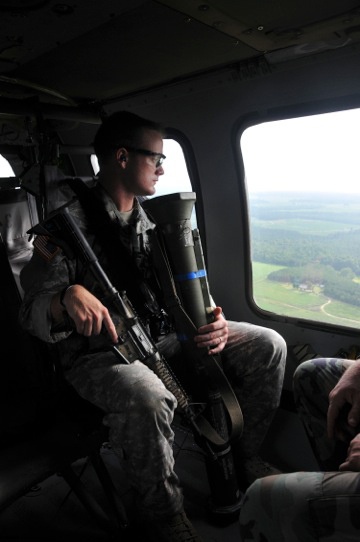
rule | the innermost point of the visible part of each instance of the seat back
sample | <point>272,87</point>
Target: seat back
<point>19,377</point>
<point>32,389</point>
<point>18,213</point>
<point>26,375</point>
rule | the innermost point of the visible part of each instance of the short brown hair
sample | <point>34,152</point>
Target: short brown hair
<point>119,129</point>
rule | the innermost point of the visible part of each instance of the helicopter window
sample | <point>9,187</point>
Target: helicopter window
<point>304,216</point>
<point>5,168</point>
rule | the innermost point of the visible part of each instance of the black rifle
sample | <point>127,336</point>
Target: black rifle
<point>136,343</point>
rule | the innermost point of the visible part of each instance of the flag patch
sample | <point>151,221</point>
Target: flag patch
<point>45,247</point>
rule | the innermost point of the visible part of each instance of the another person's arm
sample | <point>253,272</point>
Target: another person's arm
<point>345,396</point>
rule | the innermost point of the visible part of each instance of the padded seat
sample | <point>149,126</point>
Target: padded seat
<point>44,425</point>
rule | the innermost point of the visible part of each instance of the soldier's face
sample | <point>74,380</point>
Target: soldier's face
<point>144,169</point>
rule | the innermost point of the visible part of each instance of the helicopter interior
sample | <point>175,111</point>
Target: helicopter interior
<point>206,70</point>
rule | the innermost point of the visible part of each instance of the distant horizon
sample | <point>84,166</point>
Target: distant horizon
<point>303,192</point>
<point>316,152</point>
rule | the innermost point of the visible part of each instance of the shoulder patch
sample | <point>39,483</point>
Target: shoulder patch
<point>45,247</point>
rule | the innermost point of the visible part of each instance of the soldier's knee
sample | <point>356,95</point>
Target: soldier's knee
<point>303,375</point>
<point>301,371</point>
<point>154,400</point>
<point>273,346</point>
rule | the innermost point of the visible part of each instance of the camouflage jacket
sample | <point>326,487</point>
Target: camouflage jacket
<point>50,270</point>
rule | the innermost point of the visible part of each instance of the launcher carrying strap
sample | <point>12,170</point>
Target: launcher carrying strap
<point>214,371</point>
<point>105,232</point>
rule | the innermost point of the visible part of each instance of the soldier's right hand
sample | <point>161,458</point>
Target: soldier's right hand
<point>352,461</point>
<point>88,313</point>
<point>346,394</point>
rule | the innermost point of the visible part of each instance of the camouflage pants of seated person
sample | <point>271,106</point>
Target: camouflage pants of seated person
<point>313,381</point>
<point>139,409</point>
<point>302,507</point>
<point>253,361</point>
<point>308,506</point>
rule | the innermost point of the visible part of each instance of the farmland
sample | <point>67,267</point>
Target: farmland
<point>306,255</point>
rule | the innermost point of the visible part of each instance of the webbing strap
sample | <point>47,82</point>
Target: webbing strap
<point>213,369</point>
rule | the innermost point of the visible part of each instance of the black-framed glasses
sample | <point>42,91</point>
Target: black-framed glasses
<point>157,157</point>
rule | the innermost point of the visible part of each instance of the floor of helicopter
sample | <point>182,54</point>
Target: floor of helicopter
<point>51,512</point>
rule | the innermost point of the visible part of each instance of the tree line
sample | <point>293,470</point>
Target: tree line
<point>331,262</point>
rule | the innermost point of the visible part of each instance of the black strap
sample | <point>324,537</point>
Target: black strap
<point>126,276</point>
<point>213,369</point>
<point>122,270</point>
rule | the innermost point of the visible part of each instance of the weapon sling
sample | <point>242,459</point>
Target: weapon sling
<point>179,262</point>
<point>215,441</point>
<point>213,369</point>
<point>101,223</point>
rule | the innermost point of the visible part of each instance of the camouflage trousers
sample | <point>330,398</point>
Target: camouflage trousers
<point>139,409</point>
<point>313,381</point>
<point>302,507</point>
<point>308,506</point>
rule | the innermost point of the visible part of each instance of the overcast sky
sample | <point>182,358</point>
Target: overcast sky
<point>315,153</point>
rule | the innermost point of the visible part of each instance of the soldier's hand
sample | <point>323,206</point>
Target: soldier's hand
<point>352,461</point>
<point>88,313</point>
<point>214,335</point>
<point>345,395</point>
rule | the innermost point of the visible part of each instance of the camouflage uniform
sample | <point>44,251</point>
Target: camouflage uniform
<point>308,506</point>
<point>138,408</point>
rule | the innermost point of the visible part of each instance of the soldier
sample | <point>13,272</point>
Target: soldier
<point>138,409</point>
<point>324,505</point>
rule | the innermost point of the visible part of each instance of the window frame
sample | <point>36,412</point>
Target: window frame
<point>239,127</point>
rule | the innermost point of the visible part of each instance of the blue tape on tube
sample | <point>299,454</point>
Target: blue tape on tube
<point>191,276</point>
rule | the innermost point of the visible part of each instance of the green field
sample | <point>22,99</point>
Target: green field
<point>298,229</point>
<point>310,227</point>
<point>288,301</point>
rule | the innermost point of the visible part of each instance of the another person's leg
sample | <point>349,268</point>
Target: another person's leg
<point>313,381</point>
<point>302,507</point>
